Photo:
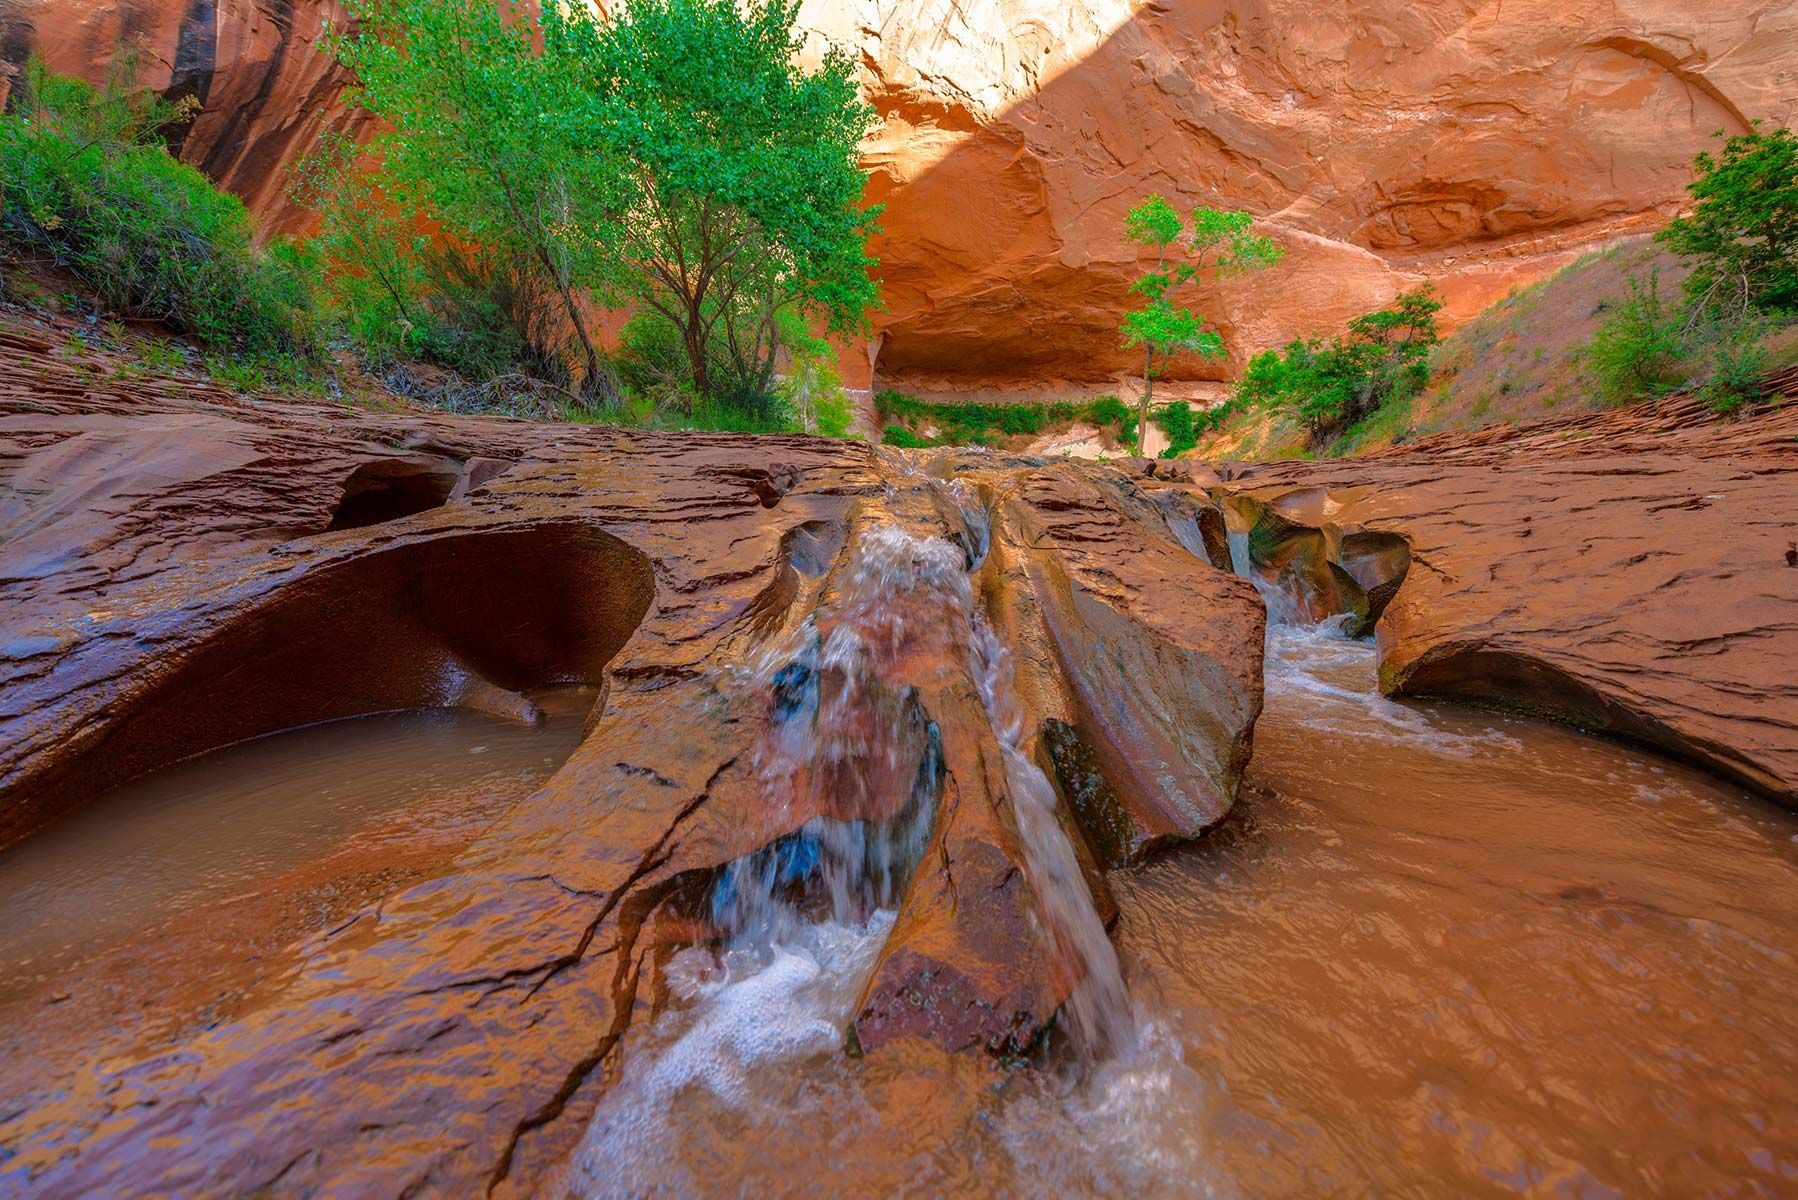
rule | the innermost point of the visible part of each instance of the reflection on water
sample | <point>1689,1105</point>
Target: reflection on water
<point>1435,953</point>
<point>224,823</point>
<point>1443,954</point>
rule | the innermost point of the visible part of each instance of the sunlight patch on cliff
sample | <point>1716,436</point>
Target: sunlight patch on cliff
<point>936,68</point>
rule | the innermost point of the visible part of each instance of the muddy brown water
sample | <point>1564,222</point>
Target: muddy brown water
<point>1435,953</point>
<point>310,810</point>
<point>1445,954</point>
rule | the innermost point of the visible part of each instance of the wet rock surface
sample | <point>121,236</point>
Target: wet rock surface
<point>1628,572</point>
<point>180,575</point>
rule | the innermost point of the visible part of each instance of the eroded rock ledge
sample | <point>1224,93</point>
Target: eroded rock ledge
<point>1634,573</point>
<point>183,569</point>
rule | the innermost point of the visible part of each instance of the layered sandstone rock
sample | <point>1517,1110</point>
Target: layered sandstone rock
<point>267,87</point>
<point>793,635</point>
<point>183,568</point>
<point>1472,142</point>
<point>1634,573</point>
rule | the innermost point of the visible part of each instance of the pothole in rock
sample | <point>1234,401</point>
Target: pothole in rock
<point>470,619</point>
<point>334,740</point>
<point>390,489</point>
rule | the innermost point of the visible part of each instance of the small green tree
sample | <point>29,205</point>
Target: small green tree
<point>1382,358</point>
<point>1740,244</point>
<point>1220,243</point>
<point>1741,239</point>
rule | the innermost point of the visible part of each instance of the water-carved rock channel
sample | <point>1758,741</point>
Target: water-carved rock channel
<point>867,824</point>
<point>1432,953</point>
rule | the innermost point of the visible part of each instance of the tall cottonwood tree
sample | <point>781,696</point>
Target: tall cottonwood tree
<point>493,139</point>
<point>672,156</point>
<point>1219,243</point>
<point>745,176</point>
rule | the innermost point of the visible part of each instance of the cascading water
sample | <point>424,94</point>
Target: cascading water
<point>1282,608</point>
<point>803,919</point>
<point>846,741</point>
<point>977,523</point>
<point>1261,1058</point>
<point>1098,1009</point>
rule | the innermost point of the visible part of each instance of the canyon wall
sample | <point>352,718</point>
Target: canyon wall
<point>266,85</point>
<point>1479,143</point>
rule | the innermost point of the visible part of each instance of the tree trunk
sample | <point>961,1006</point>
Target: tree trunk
<point>1142,408</point>
<point>694,336</point>
<point>597,382</point>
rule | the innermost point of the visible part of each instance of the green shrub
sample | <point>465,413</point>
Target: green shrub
<point>835,415</point>
<point>1108,410</point>
<point>484,316</point>
<point>986,424</point>
<point>372,261</point>
<point>159,356</point>
<point>905,439</point>
<point>1739,363</point>
<point>720,416</point>
<point>1176,421</point>
<point>811,390</point>
<point>1639,352</point>
<point>1391,420</point>
<point>1210,420</point>
<point>1740,244</point>
<point>86,182</point>
<point>1383,359</point>
<point>650,352</point>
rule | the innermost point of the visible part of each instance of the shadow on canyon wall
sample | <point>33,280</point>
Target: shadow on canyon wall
<point>1454,141</point>
<point>268,89</point>
<point>1382,148</point>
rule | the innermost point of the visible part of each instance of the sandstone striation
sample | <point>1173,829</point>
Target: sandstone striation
<point>792,635</point>
<point>1469,142</point>
<point>1633,573</point>
<point>1475,143</point>
<point>267,87</point>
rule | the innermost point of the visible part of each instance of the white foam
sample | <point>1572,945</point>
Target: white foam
<point>1325,680</point>
<point>739,1016</point>
<point>1129,1128</point>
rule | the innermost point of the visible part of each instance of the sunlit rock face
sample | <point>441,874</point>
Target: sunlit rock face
<point>1478,144</point>
<point>267,85</point>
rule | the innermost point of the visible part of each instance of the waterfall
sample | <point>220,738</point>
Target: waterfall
<point>977,523</point>
<point>844,739</point>
<point>1098,1009</point>
<point>1282,608</point>
<point>804,919</point>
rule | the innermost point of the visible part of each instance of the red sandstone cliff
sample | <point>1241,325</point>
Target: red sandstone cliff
<point>1477,142</point>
